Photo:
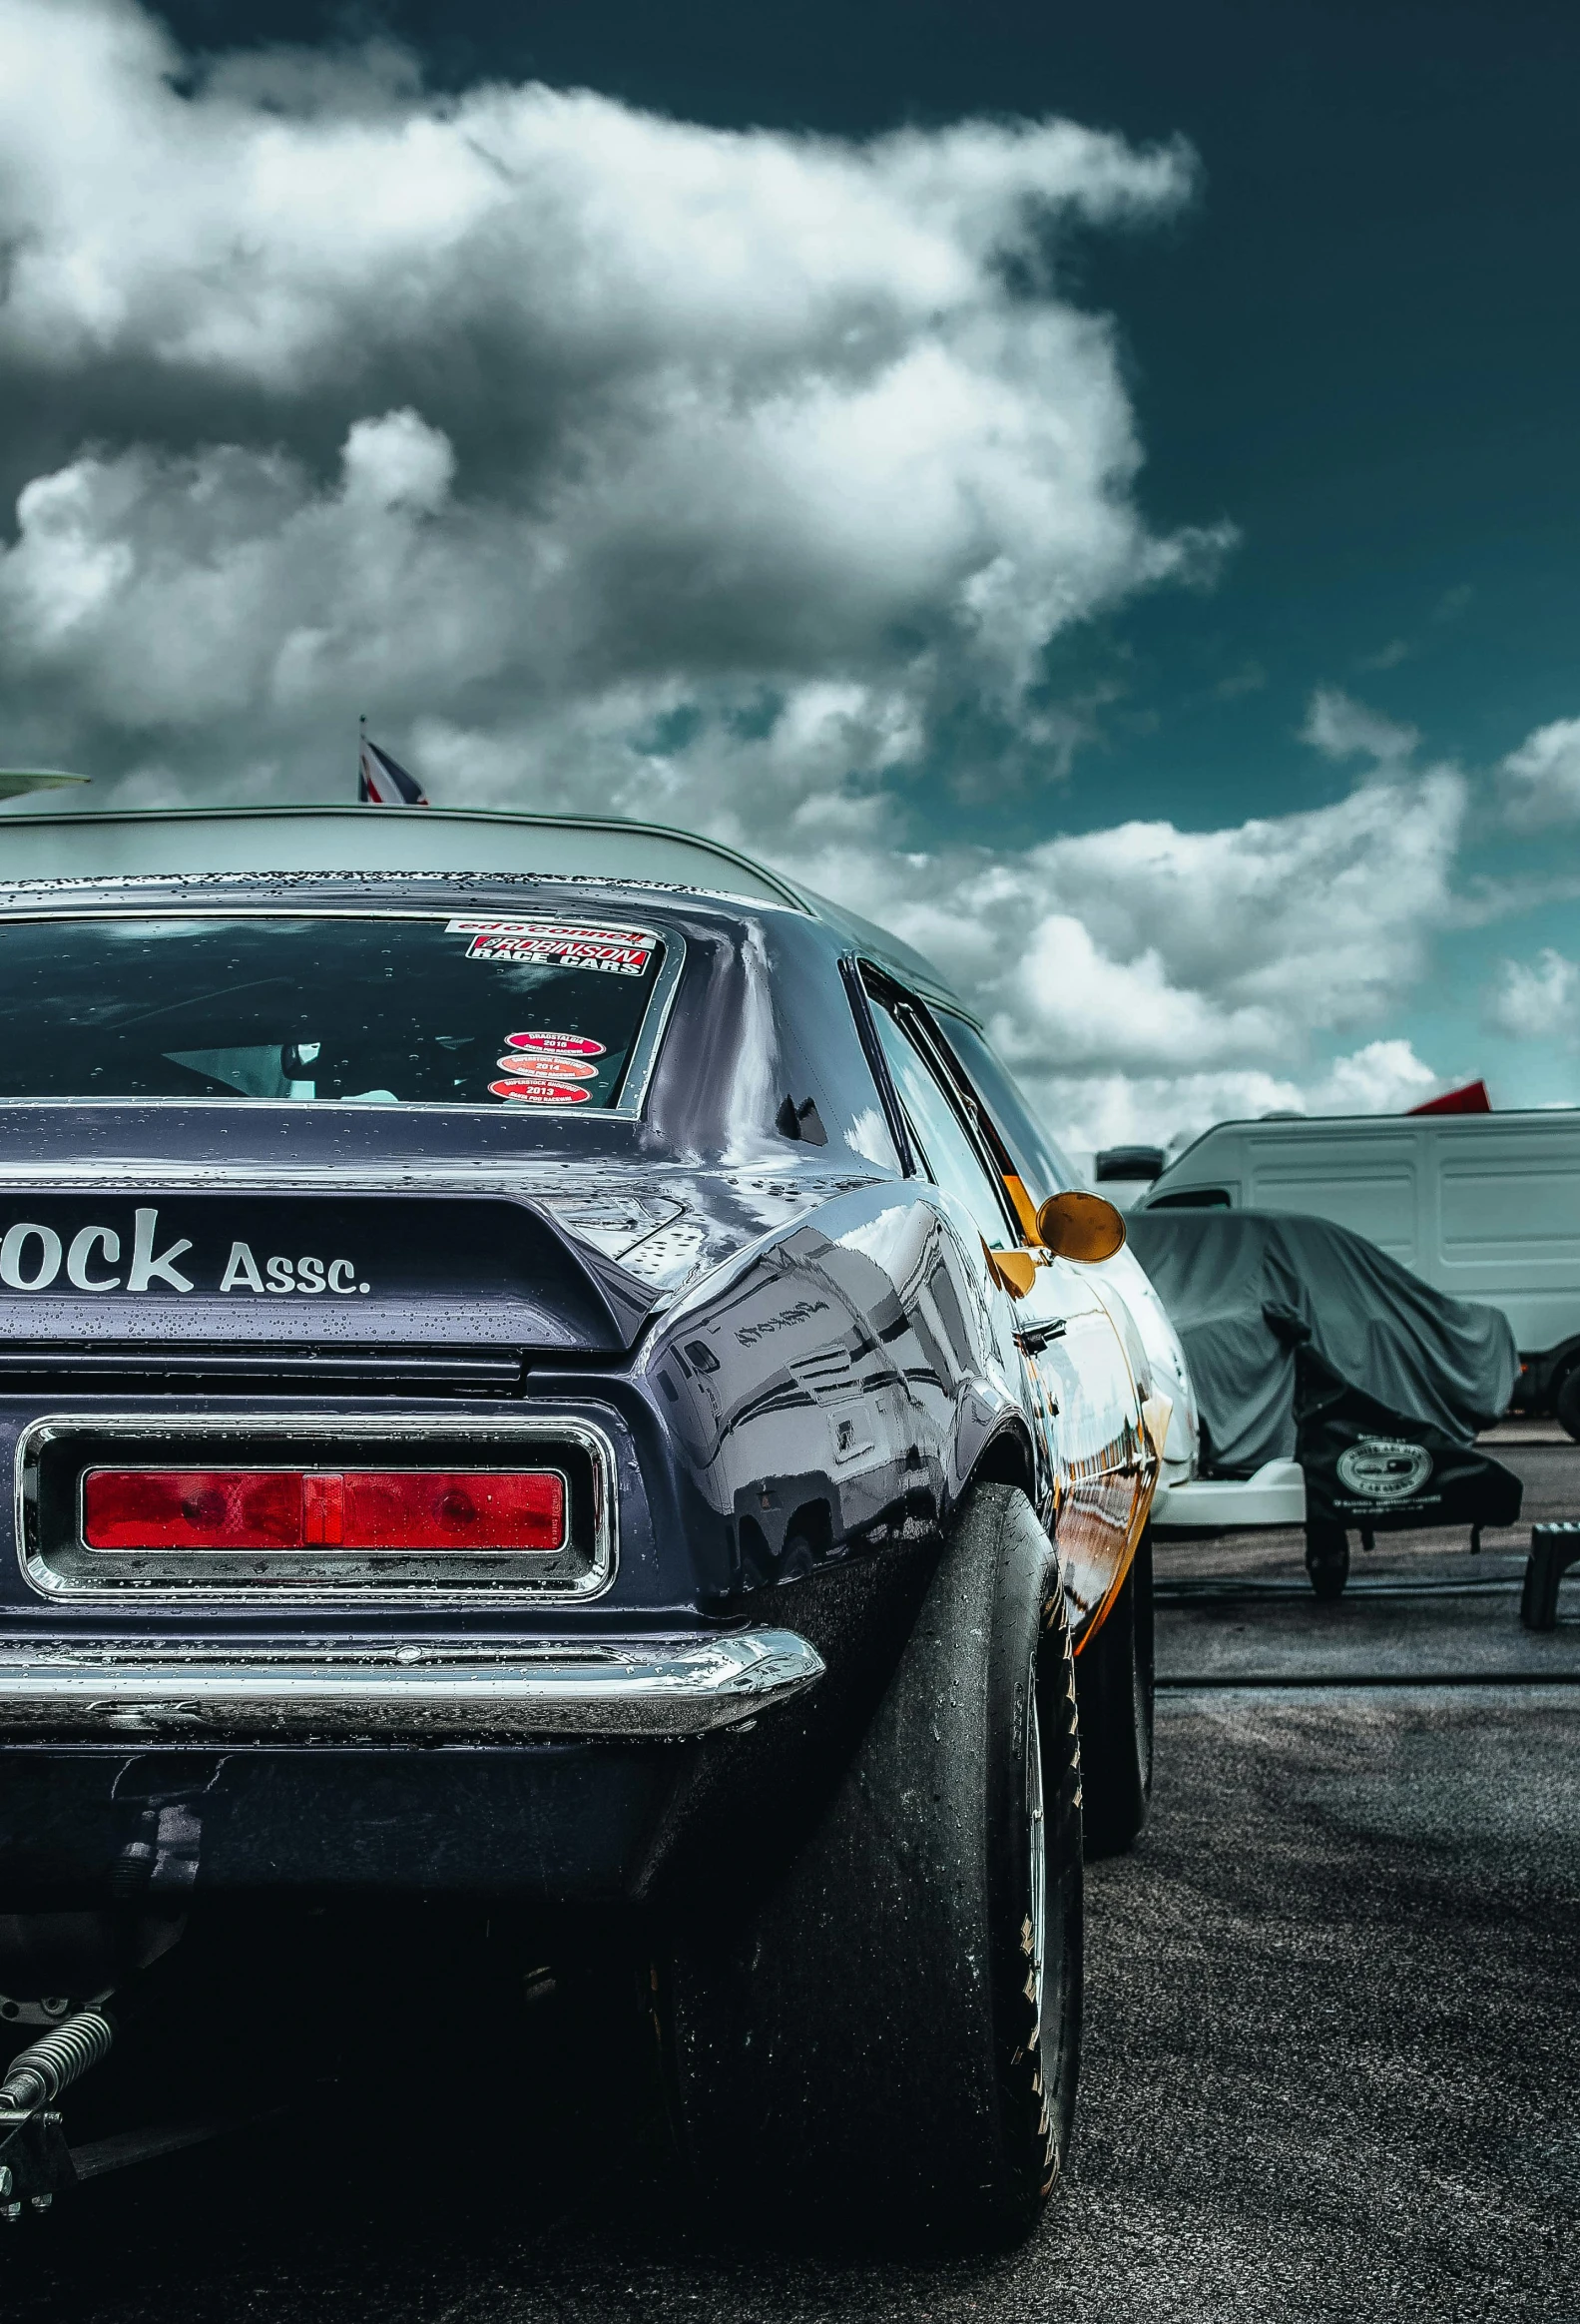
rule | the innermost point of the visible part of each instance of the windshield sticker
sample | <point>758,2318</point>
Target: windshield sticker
<point>550,1068</point>
<point>555,945</point>
<point>562,1044</point>
<point>540,1092</point>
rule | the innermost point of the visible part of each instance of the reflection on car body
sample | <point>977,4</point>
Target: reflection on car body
<point>335,1202</point>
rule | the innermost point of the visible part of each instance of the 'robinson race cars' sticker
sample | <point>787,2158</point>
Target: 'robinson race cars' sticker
<point>540,1092</point>
<point>559,945</point>
<point>560,1044</point>
<point>549,1068</point>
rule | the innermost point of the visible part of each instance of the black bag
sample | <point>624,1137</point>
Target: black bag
<point>1368,1469</point>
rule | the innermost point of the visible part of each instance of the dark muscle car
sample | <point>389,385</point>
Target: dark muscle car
<point>552,1368</point>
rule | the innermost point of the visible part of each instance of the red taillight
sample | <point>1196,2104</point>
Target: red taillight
<point>402,1510</point>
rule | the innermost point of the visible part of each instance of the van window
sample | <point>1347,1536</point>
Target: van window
<point>1192,1198</point>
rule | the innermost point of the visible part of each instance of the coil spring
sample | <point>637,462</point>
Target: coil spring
<point>39,2073</point>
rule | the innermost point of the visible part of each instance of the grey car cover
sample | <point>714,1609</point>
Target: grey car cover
<point>1250,1292</point>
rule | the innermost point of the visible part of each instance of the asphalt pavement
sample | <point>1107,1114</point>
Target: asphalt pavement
<point>1332,2063</point>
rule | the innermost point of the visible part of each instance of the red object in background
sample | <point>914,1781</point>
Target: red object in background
<point>278,1508</point>
<point>1473,1099</point>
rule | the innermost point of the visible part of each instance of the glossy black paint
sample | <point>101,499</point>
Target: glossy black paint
<point>796,1405</point>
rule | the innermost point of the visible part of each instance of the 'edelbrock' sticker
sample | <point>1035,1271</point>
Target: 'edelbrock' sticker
<point>558,945</point>
<point>36,1258</point>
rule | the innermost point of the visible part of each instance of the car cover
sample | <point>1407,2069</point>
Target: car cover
<point>1252,1291</point>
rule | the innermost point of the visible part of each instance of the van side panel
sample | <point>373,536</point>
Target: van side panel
<point>1510,1210</point>
<point>1367,1183</point>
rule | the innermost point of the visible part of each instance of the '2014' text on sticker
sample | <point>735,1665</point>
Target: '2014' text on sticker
<point>549,1068</point>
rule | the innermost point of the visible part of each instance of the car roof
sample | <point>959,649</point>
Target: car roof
<point>215,844</point>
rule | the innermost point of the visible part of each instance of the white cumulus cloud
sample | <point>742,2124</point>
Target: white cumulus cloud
<point>1540,781</point>
<point>610,461</point>
<point>1536,999</point>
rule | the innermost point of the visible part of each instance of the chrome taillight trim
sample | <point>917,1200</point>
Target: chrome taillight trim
<point>354,1585</point>
<point>445,1692</point>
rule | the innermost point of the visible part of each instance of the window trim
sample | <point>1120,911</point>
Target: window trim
<point>634,1081</point>
<point>853,970</point>
<point>972,1116</point>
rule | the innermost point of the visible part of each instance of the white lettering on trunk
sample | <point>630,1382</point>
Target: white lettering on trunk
<point>147,1263</point>
<point>240,1266</point>
<point>81,1252</point>
<point>11,1257</point>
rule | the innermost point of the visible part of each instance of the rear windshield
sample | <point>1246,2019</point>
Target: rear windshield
<point>531,1012</point>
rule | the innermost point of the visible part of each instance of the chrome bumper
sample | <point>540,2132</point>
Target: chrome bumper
<point>443,1692</point>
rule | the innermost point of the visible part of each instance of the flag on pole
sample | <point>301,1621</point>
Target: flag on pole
<point>382,780</point>
<point>17,782</point>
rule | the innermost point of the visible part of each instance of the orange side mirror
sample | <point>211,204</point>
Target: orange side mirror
<point>1081,1225</point>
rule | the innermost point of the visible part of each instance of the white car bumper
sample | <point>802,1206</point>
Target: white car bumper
<point>1276,1495</point>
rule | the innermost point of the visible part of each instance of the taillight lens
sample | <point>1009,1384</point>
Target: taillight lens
<point>413,1512</point>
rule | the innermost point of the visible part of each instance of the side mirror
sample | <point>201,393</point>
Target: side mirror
<point>1079,1225</point>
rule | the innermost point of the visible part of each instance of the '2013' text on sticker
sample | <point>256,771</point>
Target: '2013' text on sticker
<point>560,1045</point>
<point>540,1092</point>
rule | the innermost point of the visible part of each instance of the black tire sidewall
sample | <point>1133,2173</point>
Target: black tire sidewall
<point>860,2050</point>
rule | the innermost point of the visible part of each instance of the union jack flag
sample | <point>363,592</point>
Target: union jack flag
<point>383,782</point>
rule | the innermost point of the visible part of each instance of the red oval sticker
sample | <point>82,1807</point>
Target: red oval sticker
<point>560,1045</point>
<point>560,1068</point>
<point>540,1092</point>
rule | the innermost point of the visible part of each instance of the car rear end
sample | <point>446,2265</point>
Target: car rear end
<point>348,1551</point>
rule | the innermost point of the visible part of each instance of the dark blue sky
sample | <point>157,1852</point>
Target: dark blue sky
<point>1360,347</point>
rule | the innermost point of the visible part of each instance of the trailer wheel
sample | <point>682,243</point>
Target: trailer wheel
<point>888,2040</point>
<point>1114,1688</point>
<point>1566,1403</point>
<point>1327,1560</point>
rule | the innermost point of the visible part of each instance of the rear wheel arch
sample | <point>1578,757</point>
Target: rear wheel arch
<point>1006,1458</point>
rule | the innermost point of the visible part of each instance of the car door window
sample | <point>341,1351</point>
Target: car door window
<point>948,1148</point>
<point>1043,1165</point>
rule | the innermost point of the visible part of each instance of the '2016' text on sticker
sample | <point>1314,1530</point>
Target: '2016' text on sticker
<point>560,1044</point>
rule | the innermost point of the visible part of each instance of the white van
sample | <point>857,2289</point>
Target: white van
<point>1484,1206</point>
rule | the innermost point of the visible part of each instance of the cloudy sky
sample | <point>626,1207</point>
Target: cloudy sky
<point>1096,489</point>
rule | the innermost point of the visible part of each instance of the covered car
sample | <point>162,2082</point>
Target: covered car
<point>1325,1369</point>
<point>535,1384</point>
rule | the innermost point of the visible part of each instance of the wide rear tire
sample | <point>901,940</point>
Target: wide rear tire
<point>889,2039</point>
<point>1114,1683</point>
